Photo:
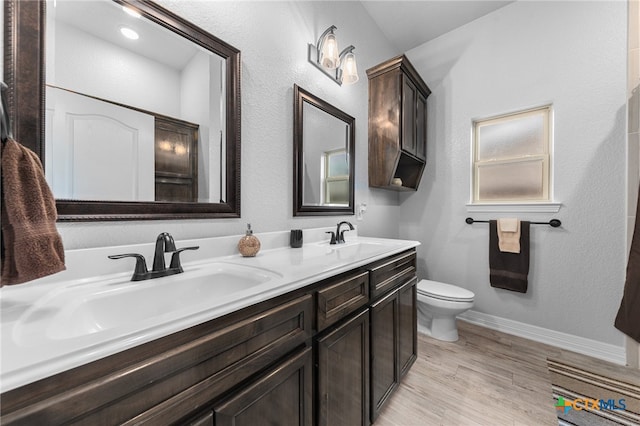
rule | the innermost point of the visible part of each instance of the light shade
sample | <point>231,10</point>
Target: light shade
<point>329,53</point>
<point>349,69</point>
<point>340,67</point>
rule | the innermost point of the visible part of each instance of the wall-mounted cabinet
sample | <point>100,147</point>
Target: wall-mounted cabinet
<point>397,125</point>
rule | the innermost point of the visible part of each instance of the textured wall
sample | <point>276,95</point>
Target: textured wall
<point>570,54</point>
<point>273,37</point>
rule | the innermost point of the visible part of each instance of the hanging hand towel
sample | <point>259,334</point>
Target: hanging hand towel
<point>32,246</point>
<point>509,235</point>
<point>509,270</point>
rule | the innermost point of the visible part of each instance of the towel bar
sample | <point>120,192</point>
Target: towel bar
<point>554,223</point>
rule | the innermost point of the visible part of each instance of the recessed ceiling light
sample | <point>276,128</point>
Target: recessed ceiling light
<point>131,12</point>
<point>129,33</point>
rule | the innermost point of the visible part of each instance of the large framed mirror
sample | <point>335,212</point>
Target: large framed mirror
<point>126,129</point>
<point>324,157</point>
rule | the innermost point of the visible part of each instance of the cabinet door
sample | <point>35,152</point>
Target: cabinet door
<point>283,396</point>
<point>343,374</point>
<point>203,420</point>
<point>407,326</point>
<point>421,127</point>
<point>176,160</point>
<point>409,98</point>
<point>384,349</point>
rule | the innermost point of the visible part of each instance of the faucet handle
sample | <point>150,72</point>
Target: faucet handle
<point>141,265</point>
<point>333,236</point>
<point>175,257</point>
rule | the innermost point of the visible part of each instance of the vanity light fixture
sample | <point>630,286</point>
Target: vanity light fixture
<point>340,67</point>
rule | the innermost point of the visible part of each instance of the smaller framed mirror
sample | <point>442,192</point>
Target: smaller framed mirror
<point>324,157</point>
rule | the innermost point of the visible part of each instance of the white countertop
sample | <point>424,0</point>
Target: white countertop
<point>32,347</point>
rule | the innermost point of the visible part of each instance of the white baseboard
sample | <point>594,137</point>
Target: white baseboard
<point>604,351</point>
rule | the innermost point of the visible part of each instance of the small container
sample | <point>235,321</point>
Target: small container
<point>249,245</point>
<point>396,181</point>
<point>295,240</point>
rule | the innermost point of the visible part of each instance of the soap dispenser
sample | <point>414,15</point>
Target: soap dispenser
<point>249,245</point>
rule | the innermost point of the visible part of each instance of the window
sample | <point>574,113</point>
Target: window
<point>511,158</point>
<point>336,177</point>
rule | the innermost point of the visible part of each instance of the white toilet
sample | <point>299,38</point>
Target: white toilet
<point>438,306</point>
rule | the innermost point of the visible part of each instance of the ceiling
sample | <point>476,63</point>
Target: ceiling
<point>405,23</point>
<point>103,21</point>
<point>408,24</point>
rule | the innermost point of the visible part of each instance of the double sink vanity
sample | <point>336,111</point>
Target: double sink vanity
<point>320,334</point>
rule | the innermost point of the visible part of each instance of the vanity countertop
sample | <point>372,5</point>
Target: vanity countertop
<point>66,320</point>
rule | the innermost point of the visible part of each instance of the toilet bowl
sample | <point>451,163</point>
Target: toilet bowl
<point>438,306</point>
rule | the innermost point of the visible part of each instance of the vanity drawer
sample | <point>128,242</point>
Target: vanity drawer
<point>163,381</point>
<point>392,272</point>
<point>341,298</point>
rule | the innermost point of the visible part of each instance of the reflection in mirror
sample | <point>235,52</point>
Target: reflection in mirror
<point>164,124</point>
<point>134,112</point>
<point>324,157</point>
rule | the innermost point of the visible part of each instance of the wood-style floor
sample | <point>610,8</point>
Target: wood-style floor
<point>486,378</point>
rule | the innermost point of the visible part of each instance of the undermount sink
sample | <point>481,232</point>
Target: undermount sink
<point>82,310</point>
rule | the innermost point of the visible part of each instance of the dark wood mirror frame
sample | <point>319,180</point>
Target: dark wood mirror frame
<point>24,73</point>
<point>300,96</point>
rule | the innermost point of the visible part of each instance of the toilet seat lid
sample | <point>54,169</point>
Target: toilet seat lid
<point>444,291</point>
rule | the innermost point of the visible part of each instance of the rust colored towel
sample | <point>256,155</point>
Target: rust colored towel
<point>509,270</point>
<point>628,317</point>
<point>31,245</point>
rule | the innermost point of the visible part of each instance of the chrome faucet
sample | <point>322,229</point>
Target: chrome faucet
<point>340,234</point>
<point>164,244</point>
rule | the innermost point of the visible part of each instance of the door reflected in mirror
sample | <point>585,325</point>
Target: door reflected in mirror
<point>324,157</point>
<point>130,119</point>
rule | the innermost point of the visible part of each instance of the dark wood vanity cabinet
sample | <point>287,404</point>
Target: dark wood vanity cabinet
<point>407,326</point>
<point>361,359</point>
<point>281,396</point>
<point>384,345</point>
<point>393,343</point>
<point>393,326</point>
<point>342,350</point>
<point>397,125</point>
<point>172,379</point>
<point>339,298</point>
<point>328,354</point>
<point>390,273</point>
<point>343,373</point>
<point>203,420</point>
